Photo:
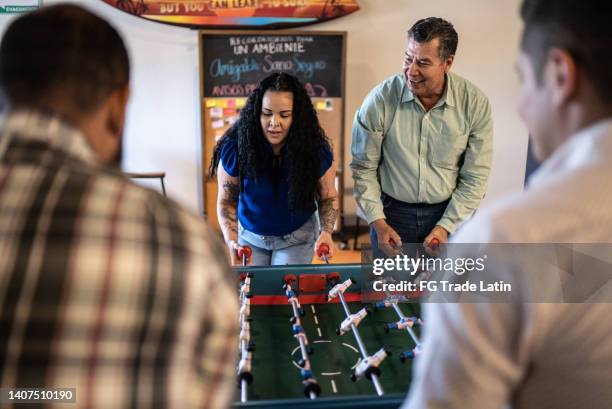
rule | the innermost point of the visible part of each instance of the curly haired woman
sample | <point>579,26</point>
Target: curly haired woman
<point>275,168</point>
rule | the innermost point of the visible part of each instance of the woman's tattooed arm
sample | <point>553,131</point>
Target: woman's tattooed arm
<point>227,204</point>
<point>328,213</point>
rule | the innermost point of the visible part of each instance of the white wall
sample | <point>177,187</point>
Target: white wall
<point>163,130</point>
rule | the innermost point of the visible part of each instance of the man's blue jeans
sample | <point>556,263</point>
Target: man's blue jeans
<point>413,222</point>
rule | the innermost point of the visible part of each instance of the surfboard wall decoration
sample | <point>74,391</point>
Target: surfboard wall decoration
<point>246,14</point>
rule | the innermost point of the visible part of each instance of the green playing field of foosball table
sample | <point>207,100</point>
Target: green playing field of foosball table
<point>335,361</point>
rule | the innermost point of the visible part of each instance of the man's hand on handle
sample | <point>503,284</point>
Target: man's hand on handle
<point>438,236</point>
<point>388,240</point>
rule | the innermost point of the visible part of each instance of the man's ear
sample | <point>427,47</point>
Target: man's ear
<point>448,63</point>
<point>562,76</point>
<point>117,106</point>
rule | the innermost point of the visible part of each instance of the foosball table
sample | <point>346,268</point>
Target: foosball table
<point>308,341</point>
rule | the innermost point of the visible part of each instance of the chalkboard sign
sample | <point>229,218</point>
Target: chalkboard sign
<point>234,63</point>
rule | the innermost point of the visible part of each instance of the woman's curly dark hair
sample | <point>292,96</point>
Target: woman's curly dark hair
<point>301,152</point>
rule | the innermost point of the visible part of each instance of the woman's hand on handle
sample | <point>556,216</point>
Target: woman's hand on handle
<point>324,246</point>
<point>237,252</point>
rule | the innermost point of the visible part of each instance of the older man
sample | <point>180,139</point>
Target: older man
<point>422,144</point>
<point>528,355</point>
<point>105,287</point>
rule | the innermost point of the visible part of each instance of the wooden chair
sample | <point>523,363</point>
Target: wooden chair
<point>154,175</point>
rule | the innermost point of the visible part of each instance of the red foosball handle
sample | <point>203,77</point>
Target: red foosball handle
<point>244,251</point>
<point>289,279</point>
<point>333,278</point>
<point>322,250</point>
<point>394,245</point>
<point>434,244</point>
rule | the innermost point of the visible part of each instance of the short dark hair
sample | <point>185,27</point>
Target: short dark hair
<point>65,54</point>
<point>429,28</point>
<point>581,27</point>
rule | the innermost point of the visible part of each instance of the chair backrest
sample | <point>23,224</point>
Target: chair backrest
<point>152,175</point>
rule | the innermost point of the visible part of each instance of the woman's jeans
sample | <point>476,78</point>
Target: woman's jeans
<point>296,247</point>
<point>413,222</point>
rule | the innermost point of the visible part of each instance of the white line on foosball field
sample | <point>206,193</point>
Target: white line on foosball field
<point>315,319</point>
<point>333,384</point>
<point>312,308</point>
<point>350,346</point>
<point>319,332</point>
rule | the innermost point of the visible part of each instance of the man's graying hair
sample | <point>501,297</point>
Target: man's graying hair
<point>429,28</point>
<point>582,28</point>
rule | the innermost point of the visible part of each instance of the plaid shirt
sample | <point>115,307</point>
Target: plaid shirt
<point>105,286</point>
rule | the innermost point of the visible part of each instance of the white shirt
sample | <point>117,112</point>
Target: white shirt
<point>527,356</point>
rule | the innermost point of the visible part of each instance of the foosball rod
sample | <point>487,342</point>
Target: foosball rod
<point>245,288</point>
<point>298,322</point>
<point>401,316</point>
<point>362,350</point>
<point>243,390</point>
<point>434,244</point>
<point>245,301</point>
<point>244,343</point>
<point>408,329</point>
<point>244,355</point>
<point>296,315</point>
<point>323,251</point>
<point>244,253</point>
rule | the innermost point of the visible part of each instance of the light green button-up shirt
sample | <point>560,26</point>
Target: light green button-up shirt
<point>419,156</point>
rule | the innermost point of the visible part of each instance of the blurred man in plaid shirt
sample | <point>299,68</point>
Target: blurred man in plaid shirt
<point>105,286</point>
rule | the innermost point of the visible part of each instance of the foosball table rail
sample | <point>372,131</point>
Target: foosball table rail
<point>389,401</point>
